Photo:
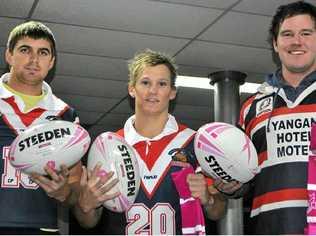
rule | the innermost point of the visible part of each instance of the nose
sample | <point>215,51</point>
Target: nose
<point>153,88</point>
<point>34,57</point>
<point>297,39</point>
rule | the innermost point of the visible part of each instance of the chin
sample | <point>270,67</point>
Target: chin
<point>299,69</point>
<point>153,112</point>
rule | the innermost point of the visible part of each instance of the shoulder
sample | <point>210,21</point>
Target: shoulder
<point>120,132</point>
<point>66,112</point>
<point>254,105</point>
<point>70,114</point>
<point>186,129</point>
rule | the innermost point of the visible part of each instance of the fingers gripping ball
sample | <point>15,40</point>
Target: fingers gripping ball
<point>116,155</point>
<point>52,144</point>
<point>225,152</point>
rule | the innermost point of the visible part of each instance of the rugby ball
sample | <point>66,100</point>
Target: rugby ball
<point>112,151</point>
<point>52,143</point>
<point>224,151</point>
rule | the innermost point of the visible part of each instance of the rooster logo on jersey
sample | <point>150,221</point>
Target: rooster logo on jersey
<point>264,106</point>
<point>179,157</point>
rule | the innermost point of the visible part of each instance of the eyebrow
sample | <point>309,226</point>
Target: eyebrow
<point>306,29</point>
<point>160,79</point>
<point>29,47</point>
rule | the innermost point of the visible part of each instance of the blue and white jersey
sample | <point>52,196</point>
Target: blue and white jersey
<point>157,207</point>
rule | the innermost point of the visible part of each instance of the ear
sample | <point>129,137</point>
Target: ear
<point>173,94</point>
<point>275,46</point>
<point>51,65</point>
<point>131,91</point>
<point>8,57</point>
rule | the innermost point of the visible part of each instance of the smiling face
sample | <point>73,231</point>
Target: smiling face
<point>296,45</point>
<point>153,91</point>
<point>30,61</point>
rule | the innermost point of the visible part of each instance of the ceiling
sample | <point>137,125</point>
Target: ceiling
<point>95,38</point>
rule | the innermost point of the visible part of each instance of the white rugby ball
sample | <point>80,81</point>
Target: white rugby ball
<point>52,143</point>
<point>112,151</point>
<point>224,151</point>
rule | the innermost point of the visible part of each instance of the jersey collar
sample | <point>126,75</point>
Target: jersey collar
<point>44,103</point>
<point>132,137</point>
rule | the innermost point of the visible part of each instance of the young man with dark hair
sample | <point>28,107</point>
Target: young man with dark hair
<point>29,203</point>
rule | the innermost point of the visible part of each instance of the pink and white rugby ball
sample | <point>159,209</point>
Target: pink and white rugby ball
<point>118,156</point>
<point>224,151</point>
<point>52,143</point>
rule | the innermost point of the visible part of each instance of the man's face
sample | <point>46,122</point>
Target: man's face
<point>30,61</point>
<point>296,44</point>
<point>153,91</point>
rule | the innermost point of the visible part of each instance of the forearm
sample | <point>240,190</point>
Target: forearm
<point>245,188</point>
<point>72,196</point>
<point>73,186</point>
<point>87,219</point>
<point>216,208</point>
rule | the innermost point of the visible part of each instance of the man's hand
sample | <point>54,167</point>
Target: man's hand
<point>95,188</point>
<point>55,185</point>
<point>198,187</point>
<point>227,188</point>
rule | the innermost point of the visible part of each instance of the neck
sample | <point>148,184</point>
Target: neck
<point>294,79</point>
<point>27,89</point>
<point>150,126</point>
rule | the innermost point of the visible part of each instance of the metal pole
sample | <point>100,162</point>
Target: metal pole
<point>226,109</point>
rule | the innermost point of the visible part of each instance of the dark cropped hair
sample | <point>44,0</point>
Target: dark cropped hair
<point>34,30</point>
<point>286,11</point>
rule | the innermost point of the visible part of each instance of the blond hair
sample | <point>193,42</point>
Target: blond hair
<point>149,57</point>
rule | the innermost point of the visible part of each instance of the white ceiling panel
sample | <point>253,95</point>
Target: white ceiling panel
<point>131,16</point>
<point>222,4</point>
<point>88,103</point>
<point>266,7</point>
<point>197,71</point>
<point>86,86</point>
<point>83,40</point>
<point>235,28</point>
<point>216,55</point>
<point>7,24</point>
<point>16,8</point>
<point>90,66</point>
